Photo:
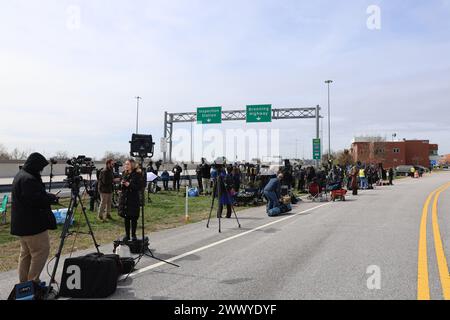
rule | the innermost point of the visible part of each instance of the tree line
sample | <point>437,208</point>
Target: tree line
<point>17,154</point>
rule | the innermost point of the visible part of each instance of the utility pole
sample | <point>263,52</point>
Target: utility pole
<point>192,144</point>
<point>137,113</point>
<point>328,82</point>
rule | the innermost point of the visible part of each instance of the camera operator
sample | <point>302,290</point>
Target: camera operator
<point>176,177</point>
<point>205,170</point>
<point>130,198</point>
<point>223,187</point>
<point>31,217</point>
<point>272,191</point>
<point>105,186</point>
<point>198,174</point>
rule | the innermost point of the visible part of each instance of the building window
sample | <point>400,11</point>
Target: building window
<point>396,150</point>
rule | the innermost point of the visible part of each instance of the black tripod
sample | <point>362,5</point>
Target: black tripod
<point>75,199</point>
<point>219,188</point>
<point>51,177</point>
<point>145,250</point>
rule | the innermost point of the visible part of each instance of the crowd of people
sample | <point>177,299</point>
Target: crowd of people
<point>32,218</point>
<point>358,176</point>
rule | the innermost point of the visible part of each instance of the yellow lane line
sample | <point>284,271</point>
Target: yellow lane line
<point>423,288</point>
<point>439,248</point>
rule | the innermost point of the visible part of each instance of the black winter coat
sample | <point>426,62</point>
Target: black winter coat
<point>31,212</point>
<point>131,195</point>
<point>205,171</point>
<point>105,183</point>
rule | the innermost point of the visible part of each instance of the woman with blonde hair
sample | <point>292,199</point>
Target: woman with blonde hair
<point>130,198</point>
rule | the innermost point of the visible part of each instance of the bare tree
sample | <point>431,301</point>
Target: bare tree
<point>61,155</point>
<point>17,154</point>
<point>344,158</point>
<point>115,155</point>
<point>4,155</point>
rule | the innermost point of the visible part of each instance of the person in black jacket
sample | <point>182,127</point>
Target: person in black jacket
<point>105,186</point>
<point>130,198</point>
<point>198,173</point>
<point>205,170</point>
<point>31,217</point>
<point>176,177</point>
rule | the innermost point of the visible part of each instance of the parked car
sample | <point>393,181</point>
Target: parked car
<point>403,170</point>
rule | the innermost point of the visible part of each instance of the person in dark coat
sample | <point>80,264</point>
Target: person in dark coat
<point>205,169</point>
<point>31,217</point>
<point>301,179</point>
<point>391,176</point>
<point>165,177</point>
<point>223,186</point>
<point>176,177</point>
<point>310,175</point>
<point>354,180</point>
<point>131,198</point>
<point>236,179</point>
<point>198,173</point>
<point>105,186</point>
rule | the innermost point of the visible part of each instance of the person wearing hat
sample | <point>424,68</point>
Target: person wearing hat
<point>32,217</point>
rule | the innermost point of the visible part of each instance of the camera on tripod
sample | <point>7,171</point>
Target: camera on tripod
<point>78,166</point>
<point>116,169</point>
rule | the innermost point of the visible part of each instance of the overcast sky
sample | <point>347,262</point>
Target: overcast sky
<point>69,70</point>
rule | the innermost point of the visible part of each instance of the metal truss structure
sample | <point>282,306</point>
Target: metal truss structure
<point>235,115</point>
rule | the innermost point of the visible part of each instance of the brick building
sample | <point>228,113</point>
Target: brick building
<point>395,153</point>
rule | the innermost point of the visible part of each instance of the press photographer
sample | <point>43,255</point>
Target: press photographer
<point>105,186</point>
<point>176,177</point>
<point>31,217</point>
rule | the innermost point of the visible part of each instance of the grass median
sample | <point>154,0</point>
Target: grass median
<point>164,212</point>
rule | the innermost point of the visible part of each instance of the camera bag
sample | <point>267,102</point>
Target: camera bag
<point>91,276</point>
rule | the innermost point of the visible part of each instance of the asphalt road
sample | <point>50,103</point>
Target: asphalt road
<point>364,248</point>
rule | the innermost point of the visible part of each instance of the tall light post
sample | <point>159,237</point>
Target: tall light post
<point>137,113</point>
<point>328,82</point>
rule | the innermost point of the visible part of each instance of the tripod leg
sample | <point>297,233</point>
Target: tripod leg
<point>83,209</point>
<point>63,236</point>
<point>212,207</point>
<point>235,215</point>
<point>151,255</point>
<point>232,208</point>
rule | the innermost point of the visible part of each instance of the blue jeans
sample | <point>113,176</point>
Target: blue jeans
<point>272,199</point>
<point>364,184</point>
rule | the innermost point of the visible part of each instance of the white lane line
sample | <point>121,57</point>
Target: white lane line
<point>156,265</point>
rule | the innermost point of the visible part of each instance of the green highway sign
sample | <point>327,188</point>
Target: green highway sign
<point>209,115</point>
<point>316,149</point>
<point>259,113</point>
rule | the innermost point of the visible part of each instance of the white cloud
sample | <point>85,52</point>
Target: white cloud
<point>74,89</point>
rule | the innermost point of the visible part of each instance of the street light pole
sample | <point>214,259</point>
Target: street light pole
<point>137,113</point>
<point>328,82</point>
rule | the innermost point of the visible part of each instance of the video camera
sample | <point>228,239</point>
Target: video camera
<point>219,163</point>
<point>117,166</point>
<point>78,166</point>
